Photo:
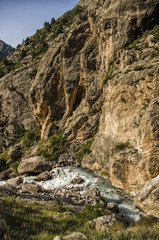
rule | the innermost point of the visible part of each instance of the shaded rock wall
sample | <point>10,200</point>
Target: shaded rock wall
<point>15,113</point>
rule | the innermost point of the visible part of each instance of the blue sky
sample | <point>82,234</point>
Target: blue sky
<point>20,19</point>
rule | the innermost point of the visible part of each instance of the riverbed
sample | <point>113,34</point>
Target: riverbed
<point>61,178</point>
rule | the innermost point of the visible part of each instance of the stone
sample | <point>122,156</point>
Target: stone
<point>14,152</point>
<point>75,236</point>
<point>77,180</point>
<point>33,165</point>
<point>105,222</point>
<point>44,176</point>
<point>15,181</point>
<point>113,207</point>
<point>94,192</point>
<point>92,196</point>
<point>150,40</point>
<point>147,199</point>
<point>32,188</point>
<point>58,238</point>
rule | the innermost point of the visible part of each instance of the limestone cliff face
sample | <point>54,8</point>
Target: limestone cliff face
<point>128,137</point>
<point>87,80</point>
<point>70,75</point>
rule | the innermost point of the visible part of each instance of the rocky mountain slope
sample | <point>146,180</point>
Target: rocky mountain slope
<point>93,74</point>
<point>5,49</point>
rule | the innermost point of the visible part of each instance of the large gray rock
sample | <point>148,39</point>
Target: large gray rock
<point>15,181</point>
<point>147,199</point>
<point>105,222</point>
<point>33,165</point>
<point>58,238</point>
<point>75,236</point>
<point>44,176</point>
<point>31,188</point>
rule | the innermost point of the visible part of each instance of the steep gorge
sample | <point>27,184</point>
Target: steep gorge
<point>93,78</point>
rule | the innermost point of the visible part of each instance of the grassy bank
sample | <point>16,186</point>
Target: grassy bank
<point>44,221</point>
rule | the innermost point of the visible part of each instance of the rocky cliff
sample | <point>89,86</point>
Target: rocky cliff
<point>97,71</point>
<point>5,49</point>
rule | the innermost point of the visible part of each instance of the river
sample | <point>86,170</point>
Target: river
<point>108,192</point>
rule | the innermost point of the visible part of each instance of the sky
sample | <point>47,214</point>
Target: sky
<point>20,19</point>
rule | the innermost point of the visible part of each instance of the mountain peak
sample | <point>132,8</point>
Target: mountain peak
<point>5,49</point>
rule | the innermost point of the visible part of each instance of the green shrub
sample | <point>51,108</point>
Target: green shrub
<point>65,21</point>
<point>108,74</point>
<point>14,165</point>
<point>3,165</point>
<point>31,136</point>
<point>105,173</point>
<point>155,53</point>
<point>146,221</point>
<point>27,41</point>
<point>55,146</point>
<point>11,88</point>
<point>2,73</point>
<point>40,49</point>
<point>133,45</point>
<point>4,155</point>
<point>121,146</point>
<point>84,150</point>
<point>139,68</point>
<point>22,54</point>
<point>33,73</point>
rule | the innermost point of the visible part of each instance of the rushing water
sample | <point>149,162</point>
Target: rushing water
<point>62,179</point>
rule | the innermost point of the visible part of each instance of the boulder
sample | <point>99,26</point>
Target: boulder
<point>15,181</point>
<point>77,180</point>
<point>75,236</point>
<point>44,176</point>
<point>33,165</point>
<point>14,152</point>
<point>147,199</point>
<point>58,238</point>
<point>104,222</point>
<point>32,188</point>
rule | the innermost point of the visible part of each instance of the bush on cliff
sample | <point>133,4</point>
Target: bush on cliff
<point>53,147</point>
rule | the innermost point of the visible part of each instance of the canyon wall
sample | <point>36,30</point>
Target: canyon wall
<point>89,80</point>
